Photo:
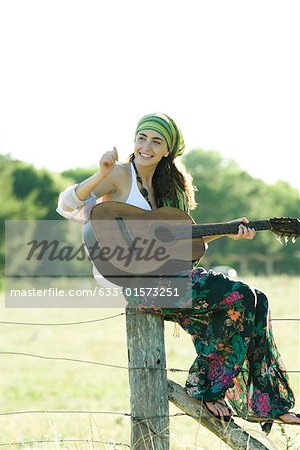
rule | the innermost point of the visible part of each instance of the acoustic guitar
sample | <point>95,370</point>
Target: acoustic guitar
<point>125,242</point>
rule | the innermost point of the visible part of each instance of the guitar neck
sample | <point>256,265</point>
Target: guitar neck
<point>216,229</point>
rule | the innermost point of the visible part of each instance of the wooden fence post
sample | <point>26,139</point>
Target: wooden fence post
<point>148,381</point>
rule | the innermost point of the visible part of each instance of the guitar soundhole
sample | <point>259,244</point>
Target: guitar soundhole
<point>163,234</point>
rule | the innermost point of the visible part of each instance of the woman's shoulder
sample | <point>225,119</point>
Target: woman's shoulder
<point>121,170</point>
<point>123,167</point>
<point>116,181</point>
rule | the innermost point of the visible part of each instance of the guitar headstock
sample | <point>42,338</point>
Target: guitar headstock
<point>285,228</point>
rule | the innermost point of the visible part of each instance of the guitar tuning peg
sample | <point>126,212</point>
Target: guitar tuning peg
<point>286,240</point>
<point>294,238</point>
<point>279,238</point>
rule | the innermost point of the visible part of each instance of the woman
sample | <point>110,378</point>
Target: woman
<point>228,321</point>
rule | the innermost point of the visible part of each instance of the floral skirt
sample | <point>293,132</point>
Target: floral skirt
<point>229,323</point>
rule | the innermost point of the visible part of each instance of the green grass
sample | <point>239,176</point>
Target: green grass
<point>28,383</point>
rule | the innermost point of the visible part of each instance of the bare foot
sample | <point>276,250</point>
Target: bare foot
<point>218,409</point>
<point>290,417</point>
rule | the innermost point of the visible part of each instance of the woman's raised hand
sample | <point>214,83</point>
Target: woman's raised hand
<point>108,160</point>
<point>243,231</point>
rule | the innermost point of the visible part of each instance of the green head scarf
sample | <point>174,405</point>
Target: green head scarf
<point>166,127</point>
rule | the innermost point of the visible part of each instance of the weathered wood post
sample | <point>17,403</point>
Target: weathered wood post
<point>147,380</point>
<point>230,433</point>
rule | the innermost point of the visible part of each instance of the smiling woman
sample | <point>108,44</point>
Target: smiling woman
<point>149,149</point>
<point>158,170</point>
<point>228,320</point>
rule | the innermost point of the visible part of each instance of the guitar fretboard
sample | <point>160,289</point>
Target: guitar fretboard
<point>215,229</point>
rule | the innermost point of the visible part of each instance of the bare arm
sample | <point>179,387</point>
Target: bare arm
<point>77,201</point>
<point>102,182</point>
<point>243,233</point>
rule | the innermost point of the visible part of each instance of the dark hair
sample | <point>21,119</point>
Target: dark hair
<point>170,182</point>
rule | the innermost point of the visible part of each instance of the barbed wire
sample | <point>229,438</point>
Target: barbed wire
<point>83,411</point>
<point>115,366</point>
<point>82,322</point>
<point>61,441</point>
<point>58,358</point>
<point>61,411</point>
<point>129,415</point>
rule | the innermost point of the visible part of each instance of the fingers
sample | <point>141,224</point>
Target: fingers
<point>108,160</point>
<point>245,233</point>
<point>115,153</point>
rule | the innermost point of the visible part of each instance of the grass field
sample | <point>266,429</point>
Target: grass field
<point>29,383</point>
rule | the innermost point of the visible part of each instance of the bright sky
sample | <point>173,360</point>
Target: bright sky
<point>76,76</point>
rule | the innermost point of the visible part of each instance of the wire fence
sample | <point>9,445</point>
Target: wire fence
<point>64,441</point>
<point>82,361</point>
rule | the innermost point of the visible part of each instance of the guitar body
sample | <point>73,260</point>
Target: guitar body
<point>126,242</point>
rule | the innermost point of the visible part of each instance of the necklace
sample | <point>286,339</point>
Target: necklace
<point>143,190</point>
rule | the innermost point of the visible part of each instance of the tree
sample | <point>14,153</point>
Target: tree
<point>226,192</point>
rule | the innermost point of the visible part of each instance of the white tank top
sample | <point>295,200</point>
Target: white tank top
<point>135,198</point>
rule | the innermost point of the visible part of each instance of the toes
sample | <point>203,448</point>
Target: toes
<point>226,410</point>
<point>213,408</point>
<point>222,411</point>
<point>218,409</point>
